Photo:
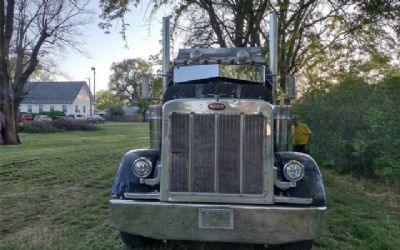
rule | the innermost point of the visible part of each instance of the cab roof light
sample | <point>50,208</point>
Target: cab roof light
<point>242,56</point>
<point>195,55</point>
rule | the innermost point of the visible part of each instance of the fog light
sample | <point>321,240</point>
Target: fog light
<point>142,167</point>
<point>293,171</point>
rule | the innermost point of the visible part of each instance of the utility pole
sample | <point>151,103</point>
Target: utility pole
<point>94,88</point>
<point>90,98</point>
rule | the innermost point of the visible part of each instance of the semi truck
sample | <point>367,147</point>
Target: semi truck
<point>218,168</point>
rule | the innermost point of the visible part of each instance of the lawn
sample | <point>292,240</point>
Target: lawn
<point>54,191</point>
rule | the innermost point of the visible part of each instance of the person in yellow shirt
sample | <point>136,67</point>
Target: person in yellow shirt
<point>301,135</point>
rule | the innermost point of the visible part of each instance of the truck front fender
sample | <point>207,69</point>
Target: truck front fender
<point>126,181</point>
<point>311,185</point>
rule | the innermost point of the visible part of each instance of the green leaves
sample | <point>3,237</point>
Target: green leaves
<point>355,125</point>
<point>107,98</point>
<point>125,83</point>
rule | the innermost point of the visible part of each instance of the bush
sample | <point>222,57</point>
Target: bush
<point>38,127</point>
<point>74,125</point>
<point>116,110</point>
<point>355,126</point>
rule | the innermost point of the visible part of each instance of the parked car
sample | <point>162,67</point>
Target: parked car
<point>59,117</point>
<point>96,119</point>
<point>76,117</point>
<point>25,118</point>
<point>42,118</point>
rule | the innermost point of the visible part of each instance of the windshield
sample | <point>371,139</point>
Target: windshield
<point>243,72</point>
<point>250,73</point>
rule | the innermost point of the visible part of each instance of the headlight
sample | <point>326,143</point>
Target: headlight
<point>293,171</point>
<point>142,167</point>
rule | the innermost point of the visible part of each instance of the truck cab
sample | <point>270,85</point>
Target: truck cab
<point>216,170</point>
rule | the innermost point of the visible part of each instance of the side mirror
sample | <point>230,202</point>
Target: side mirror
<point>144,79</point>
<point>291,87</point>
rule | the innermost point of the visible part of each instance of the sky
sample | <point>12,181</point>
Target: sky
<point>104,49</point>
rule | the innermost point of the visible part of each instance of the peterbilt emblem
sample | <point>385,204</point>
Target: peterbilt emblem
<point>216,106</point>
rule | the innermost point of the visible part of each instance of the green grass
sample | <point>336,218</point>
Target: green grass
<point>54,191</point>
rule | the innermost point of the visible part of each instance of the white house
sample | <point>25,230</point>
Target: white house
<point>68,97</point>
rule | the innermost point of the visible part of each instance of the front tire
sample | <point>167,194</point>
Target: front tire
<point>134,241</point>
<point>300,245</point>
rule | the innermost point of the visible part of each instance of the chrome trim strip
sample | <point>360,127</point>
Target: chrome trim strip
<point>142,196</point>
<point>216,124</point>
<point>293,200</point>
<point>190,163</point>
<point>269,158</point>
<point>241,150</point>
<point>165,155</point>
<point>217,198</point>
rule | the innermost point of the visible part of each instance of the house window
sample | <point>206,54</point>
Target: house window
<point>51,108</point>
<point>76,109</point>
<point>40,108</point>
<point>64,108</point>
<point>84,109</point>
<point>30,108</point>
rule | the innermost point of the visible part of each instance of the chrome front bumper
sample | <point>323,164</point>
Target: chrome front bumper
<point>249,224</point>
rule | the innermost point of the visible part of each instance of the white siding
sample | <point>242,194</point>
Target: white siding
<point>82,99</point>
<point>46,107</point>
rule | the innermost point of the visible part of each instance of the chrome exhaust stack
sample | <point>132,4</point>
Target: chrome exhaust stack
<point>165,50</point>
<point>155,126</point>
<point>155,111</point>
<point>281,118</point>
<point>281,112</point>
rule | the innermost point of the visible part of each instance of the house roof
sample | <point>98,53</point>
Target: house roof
<point>53,92</point>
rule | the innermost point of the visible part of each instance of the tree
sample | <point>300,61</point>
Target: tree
<point>355,124</point>
<point>107,98</point>
<point>125,81</point>
<point>29,31</point>
<point>311,33</point>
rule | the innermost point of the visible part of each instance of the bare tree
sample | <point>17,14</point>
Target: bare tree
<point>30,30</point>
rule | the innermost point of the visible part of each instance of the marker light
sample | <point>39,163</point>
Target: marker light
<point>195,55</point>
<point>242,56</point>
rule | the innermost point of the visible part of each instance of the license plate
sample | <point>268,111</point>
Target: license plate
<point>215,218</point>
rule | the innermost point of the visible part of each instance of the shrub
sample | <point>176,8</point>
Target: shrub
<point>355,126</point>
<point>74,125</point>
<point>38,127</point>
<point>116,110</point>
<point>51,114</point>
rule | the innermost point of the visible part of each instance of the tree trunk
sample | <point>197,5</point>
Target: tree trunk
<point>9,132</point>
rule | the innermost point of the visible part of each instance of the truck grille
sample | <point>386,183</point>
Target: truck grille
<point>216,153</point>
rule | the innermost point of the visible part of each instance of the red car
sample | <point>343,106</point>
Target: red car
<point>25,118</point>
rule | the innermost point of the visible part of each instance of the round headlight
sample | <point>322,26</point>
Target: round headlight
<point>293,171</point>
<point>142,167</point>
